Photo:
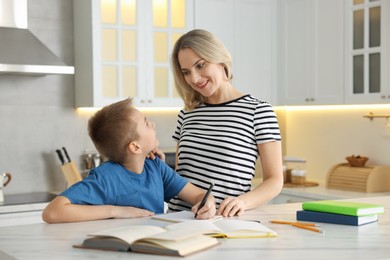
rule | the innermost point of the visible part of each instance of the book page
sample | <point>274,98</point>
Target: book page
<point>227,228</point>
<point>181,216</point>
<point>182,247</point>
<point>130,233</point>
<point>243,228</point>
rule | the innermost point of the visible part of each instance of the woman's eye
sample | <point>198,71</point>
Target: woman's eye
<point>201,65</point>
<point>186,73</point>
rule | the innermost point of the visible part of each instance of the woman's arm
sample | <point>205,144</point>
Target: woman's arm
<point>61,210</point>
<point>272,166</point>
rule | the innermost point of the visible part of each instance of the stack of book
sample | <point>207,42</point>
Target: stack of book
<point>339,212</point>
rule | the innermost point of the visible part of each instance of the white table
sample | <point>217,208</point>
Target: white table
<point>372,241</point>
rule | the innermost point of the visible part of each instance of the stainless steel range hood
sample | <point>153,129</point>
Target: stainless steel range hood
<point>21,52</point>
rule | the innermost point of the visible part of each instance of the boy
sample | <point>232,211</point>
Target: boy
<point>129,184</point>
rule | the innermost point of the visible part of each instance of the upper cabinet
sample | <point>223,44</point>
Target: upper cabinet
<point>367,51</point>
<point>312,52</point>
<point>248,29</point>
<point>122,49</point>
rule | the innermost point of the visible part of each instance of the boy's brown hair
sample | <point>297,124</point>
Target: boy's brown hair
<point>111,130</point>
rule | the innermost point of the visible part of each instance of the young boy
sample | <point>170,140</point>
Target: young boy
<point>129,184</point>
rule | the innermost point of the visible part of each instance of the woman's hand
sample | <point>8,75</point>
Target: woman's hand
<point>231,206</point>
<point>156,153</point>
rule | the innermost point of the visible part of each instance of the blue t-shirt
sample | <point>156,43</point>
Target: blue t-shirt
<point>112,184</point>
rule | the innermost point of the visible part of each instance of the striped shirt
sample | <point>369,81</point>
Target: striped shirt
<point>218,143</point>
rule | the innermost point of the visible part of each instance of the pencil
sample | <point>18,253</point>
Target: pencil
<point>307,227</point>
<point>204,198</point>
<point>290,223</point>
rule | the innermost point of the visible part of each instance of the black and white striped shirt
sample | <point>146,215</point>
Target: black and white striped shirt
<point>218,143</point>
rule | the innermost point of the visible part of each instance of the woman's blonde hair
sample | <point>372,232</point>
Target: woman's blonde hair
<point>111,130</point>
<point>209,48</point>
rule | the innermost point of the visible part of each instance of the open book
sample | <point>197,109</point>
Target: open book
<point>227,228</point>
<point>181,216</point>
<point>149,239</point>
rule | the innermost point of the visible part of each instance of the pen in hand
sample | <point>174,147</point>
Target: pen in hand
<point>204,198</point>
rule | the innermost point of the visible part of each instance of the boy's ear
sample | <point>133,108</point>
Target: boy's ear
<point>134,148</point>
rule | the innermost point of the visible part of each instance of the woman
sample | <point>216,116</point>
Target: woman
<point>221,131</point>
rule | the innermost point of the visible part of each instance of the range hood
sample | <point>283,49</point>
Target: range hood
<point>21,52</point>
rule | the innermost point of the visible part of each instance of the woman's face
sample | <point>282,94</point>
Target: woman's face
<point>204,77</point>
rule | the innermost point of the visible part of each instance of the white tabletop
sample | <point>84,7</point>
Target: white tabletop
<point>371,241</point>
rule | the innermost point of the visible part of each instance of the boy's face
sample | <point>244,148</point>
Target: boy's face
<point>146,131</point>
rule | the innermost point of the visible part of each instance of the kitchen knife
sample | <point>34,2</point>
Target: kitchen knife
<point>66,154</point>
<point>60,156</point>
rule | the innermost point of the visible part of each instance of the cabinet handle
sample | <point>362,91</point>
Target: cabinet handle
<point>307,99</point>
<point>383,96</point>
<point>312,99</point>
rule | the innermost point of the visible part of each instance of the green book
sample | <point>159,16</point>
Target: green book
<point>343,207</point>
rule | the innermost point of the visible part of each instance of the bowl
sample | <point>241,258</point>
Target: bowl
<point>357,161</point>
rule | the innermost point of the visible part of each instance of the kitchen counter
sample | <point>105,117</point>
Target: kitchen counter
<point>54,241</point>
<point>322,193</point>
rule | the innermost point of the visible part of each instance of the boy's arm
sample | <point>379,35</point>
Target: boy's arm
<point>194,195</point>
<point>61,210</point>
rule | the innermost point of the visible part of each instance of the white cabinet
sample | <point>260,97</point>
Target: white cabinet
<point>311,46</point>
<point>367,25</point>
<point>122,49</point>
<point>248,30</point>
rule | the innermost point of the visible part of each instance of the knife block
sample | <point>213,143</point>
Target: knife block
<point>363,179</point>
<point>71,173</point>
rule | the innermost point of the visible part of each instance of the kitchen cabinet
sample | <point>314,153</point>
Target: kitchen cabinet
<point>248,30</point>
<point>367,25</point>
<point>312,52</point>
<point>122,49</point>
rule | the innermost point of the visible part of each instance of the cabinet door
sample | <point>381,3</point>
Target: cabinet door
<point>367,58</point>
<point>246,29</point>
<point>311,52</point>
<point>122,49</point>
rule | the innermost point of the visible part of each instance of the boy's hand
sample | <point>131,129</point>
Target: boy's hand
<point>207,211</point>
<point>156,152</point>
<point>231,206</point>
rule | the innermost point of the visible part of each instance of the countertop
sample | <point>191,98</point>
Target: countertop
<point>371,241</point>
<point>321,192</point>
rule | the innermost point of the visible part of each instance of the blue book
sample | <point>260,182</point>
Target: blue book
<point>332,218</point>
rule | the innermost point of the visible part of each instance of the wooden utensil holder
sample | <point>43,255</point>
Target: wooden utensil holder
<point>363,179</point>
<point>71,173</point>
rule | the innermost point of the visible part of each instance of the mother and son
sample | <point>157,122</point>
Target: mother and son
<point>220,133</point>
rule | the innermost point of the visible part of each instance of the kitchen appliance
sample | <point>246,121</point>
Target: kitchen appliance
<point>364,179</point>
<point>21,51</point>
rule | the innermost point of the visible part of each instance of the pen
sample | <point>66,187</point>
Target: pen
<point>291,223</point>
<point>307,227</point>
<point>204,198</point>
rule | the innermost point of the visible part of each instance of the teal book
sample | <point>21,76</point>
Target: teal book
<point>315,216</point>
<point>343,207</point>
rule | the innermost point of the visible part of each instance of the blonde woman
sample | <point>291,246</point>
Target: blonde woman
<point>221,132</point>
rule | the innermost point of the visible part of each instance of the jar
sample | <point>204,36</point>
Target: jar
<point>297,167</point>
